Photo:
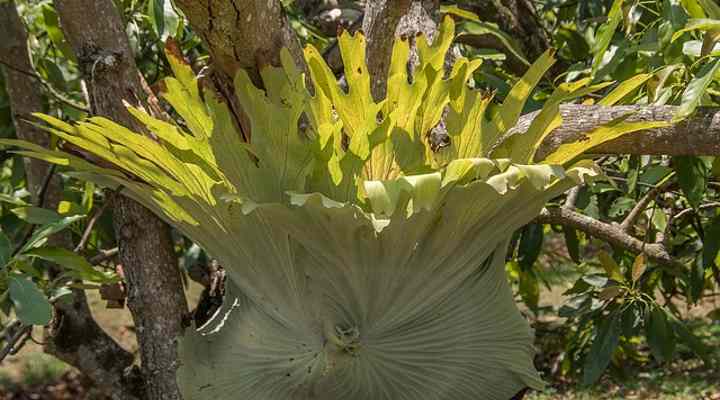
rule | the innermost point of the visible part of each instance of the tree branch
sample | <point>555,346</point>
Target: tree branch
<point>610,233</point>
<point>697,135</point>
<point>379,24</point>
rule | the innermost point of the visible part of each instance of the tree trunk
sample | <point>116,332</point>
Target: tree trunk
<point>73,335</point>
<point>241,34</point>
<point>155,293</point>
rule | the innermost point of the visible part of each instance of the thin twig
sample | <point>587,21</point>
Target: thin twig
<point>634,214</point>
<point>611,233</point>
<point>42,191</point>
<point>103,255</point>
<point>91,224</point>
<point>51,90</point>
<point>572,197</point>
<point>16,341</point>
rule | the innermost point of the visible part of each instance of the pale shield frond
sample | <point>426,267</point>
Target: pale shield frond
<point>362,263</point>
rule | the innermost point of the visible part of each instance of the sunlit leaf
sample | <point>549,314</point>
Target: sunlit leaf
<point>606,33</point>
<point>694,91</point>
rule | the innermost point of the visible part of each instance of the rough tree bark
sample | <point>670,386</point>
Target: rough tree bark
<point>156,299</point>
<point>241,34</point>
<point>73,336</point>
<point>697,135</point>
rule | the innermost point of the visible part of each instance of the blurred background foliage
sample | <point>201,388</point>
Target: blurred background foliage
<point>596,308</point>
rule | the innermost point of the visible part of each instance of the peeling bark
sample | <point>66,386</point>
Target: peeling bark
<point>156,298</point>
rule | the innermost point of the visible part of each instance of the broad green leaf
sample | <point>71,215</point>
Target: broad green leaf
<point>41,233</point>
<point>692,173</point>
<point>572,243</point>
<point>36,215</point>
<point>612,130</point>
<point>606,33</point>
<point>530,245</point>
<point>155,10</point>
<point>696,279</point>
<point>660,335</point>
<point>711,242</point>
<point>5,250</point>
<point>607,337</point>
<point>55,33</point>
<point>696,89</point>
<point>612,269</point>
<point>73,262</point>
<point>31,305</point>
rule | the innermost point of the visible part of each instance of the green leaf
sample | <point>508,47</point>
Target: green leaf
<point>612,269</point>
<point>5,249</point>
<point>696,280</point>
<point>711,242</point>
<point>660,335</point>
<point>36,215</point>
<point>606,33</point>
<point>157,15</point>
<point>697,24</point>
<point>572,243</point>
<point>529,289</point>
<point>42,233</point>
<point>530,245</point>
<point>52,27</point>
<point>694,91</point>
<point>78,266</point>
<point>692,175</point>
<point>607,337</point>
<point>31,305</point>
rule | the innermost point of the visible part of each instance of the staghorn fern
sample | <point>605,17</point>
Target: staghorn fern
<point>361,264</point>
